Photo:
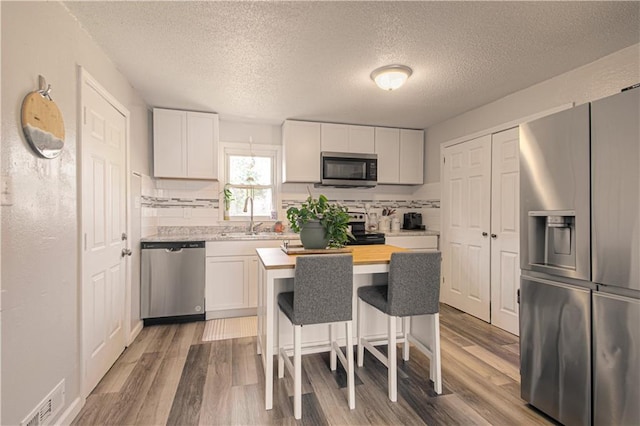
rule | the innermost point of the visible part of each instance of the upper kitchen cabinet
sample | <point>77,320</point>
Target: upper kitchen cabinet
<point>411,156</point>
<point>300,151</point>
<point>347,138</point>
<point>387,147</point>
<point>400,155</point>
<point>185,144</point>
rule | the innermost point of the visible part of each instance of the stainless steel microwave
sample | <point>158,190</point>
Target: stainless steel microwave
<point>344,169</point>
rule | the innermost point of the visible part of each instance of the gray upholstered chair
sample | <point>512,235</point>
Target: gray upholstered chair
<point>323,293</point>
<point>413,288</point>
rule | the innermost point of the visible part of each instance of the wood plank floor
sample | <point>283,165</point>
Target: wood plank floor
<point>169,376</point>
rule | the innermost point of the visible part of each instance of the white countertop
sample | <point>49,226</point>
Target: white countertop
<point>242,236</point>
<point>411,233</point>
<point>223,236</point>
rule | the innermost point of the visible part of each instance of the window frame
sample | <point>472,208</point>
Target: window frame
<point>247,150</point>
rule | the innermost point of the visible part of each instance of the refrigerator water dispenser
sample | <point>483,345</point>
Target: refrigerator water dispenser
<point>552,241</point>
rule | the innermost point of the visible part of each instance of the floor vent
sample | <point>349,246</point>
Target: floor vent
<point>47,408</point>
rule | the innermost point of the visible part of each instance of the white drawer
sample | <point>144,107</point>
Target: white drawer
<point>414,242</point>
<point>240,248</point>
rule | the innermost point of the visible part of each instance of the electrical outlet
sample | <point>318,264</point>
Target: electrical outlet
<point>6,191</point>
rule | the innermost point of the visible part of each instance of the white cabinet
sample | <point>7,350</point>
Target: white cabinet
<point>480,222</point>
<point>388,150</point>
<point>414,242</point>
<point>400,151</point>
<point>411,156</point>
<point>231,277</point>
<point>347,138</point>
<point>400,155</point>
<point>300,151</point>
<point>185,144</point>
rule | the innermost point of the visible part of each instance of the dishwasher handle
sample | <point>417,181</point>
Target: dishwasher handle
<point>173,246</point>
<point>174,250</point>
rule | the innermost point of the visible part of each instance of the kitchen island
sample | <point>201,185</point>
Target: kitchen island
<point>370,266</point>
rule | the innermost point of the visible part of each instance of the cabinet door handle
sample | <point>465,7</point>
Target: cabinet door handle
<point>484,234</point>
<point>494,236</point>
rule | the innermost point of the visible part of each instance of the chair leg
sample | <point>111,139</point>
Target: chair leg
<point>350,366</point>
<point>332,356</point>
<point>280,359</point>
<point>435,363</point>
<point>392,365</point>
<point>406,327</point>
<point>360,332</point>
<point>297,376</point>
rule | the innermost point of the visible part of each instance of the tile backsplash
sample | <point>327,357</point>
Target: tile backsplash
<point>181,203</point>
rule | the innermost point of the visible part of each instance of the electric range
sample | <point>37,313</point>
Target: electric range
<point>362,236</point>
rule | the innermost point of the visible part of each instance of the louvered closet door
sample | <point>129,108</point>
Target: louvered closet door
<point>466,196</point>
<point>505,230</point>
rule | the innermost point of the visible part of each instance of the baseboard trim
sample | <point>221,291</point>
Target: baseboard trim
<point>71,412</point>
<point>134,333</point>
<point>232,313</point>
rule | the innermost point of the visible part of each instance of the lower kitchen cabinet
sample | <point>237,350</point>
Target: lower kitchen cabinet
<point>414,242</point>
<point>227,283</point>
<point>231,277</point>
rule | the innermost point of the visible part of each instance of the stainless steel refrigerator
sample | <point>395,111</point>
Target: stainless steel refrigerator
<point>580,251</point>
<point>615,260</point>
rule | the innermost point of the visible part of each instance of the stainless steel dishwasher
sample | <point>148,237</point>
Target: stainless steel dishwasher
<point>172,281</point>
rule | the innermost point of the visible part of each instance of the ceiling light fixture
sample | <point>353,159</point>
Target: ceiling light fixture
<point>391,77</point>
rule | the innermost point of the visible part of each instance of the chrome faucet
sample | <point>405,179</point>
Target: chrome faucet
<point>252,225</point>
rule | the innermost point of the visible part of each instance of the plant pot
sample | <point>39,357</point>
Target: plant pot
<point>313,235</point>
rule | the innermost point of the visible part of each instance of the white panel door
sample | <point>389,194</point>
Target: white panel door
<point>505,227</point>
<point>387,146</point>
<point>104,144</point>
<point>466,225</point>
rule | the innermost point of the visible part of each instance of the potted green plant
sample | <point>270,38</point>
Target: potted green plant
<point>320,223</point>
<point>228,198</point>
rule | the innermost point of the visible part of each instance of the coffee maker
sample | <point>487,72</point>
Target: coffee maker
<point>413,221</point>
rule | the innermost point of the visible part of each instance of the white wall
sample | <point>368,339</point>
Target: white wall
<point>40,302</point>
<point>598,79</point>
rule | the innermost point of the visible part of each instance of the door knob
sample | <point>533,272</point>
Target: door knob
<point>484,234</point>
<point>494,236</point>
<point>125,252</point>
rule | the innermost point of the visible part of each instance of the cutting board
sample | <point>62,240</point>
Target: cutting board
<point>298,249</point>
<point>43,125</point>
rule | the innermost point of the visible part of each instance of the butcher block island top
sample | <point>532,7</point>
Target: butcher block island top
<point>275,258</point>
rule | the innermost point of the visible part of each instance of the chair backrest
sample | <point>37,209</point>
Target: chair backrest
<point>323,288</point>
<point>414,283</point>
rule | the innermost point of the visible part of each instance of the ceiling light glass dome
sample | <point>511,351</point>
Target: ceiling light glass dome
<point>391,77</point>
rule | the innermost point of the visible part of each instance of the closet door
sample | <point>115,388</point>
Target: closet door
<point>505,230</point>
<point>466,199</point>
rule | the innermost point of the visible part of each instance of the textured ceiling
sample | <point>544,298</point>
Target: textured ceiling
<point>311,60</point>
